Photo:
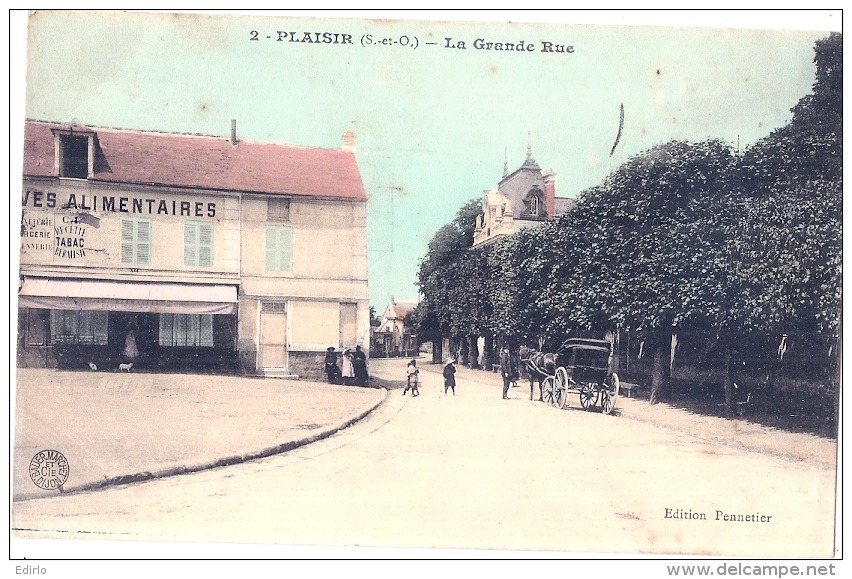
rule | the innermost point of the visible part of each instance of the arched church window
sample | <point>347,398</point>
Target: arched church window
<point>534,205</point>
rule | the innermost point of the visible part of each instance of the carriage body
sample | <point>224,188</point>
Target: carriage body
<point>585,361</point>
<point>584,365</point>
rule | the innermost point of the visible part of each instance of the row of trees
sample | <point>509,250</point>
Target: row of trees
<point>683,237</point>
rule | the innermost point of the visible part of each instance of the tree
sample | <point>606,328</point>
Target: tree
<point>440,278</point>
<point>645,252</point>
<point>375,320</point>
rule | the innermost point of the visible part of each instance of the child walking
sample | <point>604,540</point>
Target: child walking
<point>450,377</point>
<point>411,376</point>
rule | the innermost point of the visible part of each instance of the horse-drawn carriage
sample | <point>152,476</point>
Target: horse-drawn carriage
<point>583,366</point>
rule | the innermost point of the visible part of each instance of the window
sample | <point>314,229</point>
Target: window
<point>279,249</point>
<point>36,326</point>
<point>74,156</point>
<point>136,241</point>
<point>192,330</point>
<point>274,307</point>
<point>278,210</point>
<point>198,244</point>
<point>533,205</point>
<point>348,324</point>
<point>78,327</point>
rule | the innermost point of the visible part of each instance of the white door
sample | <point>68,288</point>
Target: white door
<point>273,336</point>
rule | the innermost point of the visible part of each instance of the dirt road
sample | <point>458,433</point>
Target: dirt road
<point>477,472</point>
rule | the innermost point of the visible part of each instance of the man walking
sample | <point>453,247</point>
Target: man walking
<point>505,371</point>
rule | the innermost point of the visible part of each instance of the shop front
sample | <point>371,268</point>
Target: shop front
<point>100,324</point>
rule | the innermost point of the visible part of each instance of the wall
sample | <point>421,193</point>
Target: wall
<point>73,225</point>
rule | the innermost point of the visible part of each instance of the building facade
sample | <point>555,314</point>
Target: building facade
<point>392,337</point>
<point>523,198</point>
<point>187,251</point>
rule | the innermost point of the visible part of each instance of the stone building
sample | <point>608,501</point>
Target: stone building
<point>188,251</point>
<point>523,198</point>
<point>392,337</point>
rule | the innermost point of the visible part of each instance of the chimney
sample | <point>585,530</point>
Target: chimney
<point>550,194</point>
<point>233,131</point>
<point>348,141</point>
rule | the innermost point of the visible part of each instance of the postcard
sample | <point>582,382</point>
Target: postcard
<point>479,285</point>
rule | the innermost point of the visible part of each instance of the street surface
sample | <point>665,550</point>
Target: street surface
<point>474,471</point>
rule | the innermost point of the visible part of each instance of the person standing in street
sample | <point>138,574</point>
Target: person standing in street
<point>331,369</point>
<point>411,377</point>
<point>505,371</point>
<point>348,368</point>
<point>359,364</point>
<point>450,377</point>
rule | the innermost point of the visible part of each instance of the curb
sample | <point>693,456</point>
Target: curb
<point>226,461</point>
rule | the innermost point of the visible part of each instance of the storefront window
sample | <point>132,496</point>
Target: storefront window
<point>192,330</point>
<point>78,327</point>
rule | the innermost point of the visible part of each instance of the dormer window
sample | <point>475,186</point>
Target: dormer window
<point>74,152</point>
<point>533,205</point>
<point>278,210</point>
<point>533,201</point>
<point>74,156</point>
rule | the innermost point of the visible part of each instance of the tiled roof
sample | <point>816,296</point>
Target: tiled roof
<point>203,162</point>
<point>402,309</point>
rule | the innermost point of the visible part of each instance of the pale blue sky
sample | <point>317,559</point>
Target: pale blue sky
<point>432,123</point>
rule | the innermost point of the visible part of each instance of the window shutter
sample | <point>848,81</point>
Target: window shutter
<point>143,242</point>
<point>166,329</point>
<point>205,244</point>
<point>100,323</point>
<point>127,235</point>
<point>285,249</point>
<point>206,330</point>
<point>189,244</point>
<point>271,245</point>
<point>279,249</point>
<point>180,330</point>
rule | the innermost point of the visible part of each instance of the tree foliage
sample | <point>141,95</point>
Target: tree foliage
<point>686,235</point>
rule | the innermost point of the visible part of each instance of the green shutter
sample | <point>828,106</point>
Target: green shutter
<point>285,249</point>
<point>127,238</point>
<point>190,242</point>
<point>279,249</point>
<point>271,249</point>
<point>143,242</point>
<point>205,244</point>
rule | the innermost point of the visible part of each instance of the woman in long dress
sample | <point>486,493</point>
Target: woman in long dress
<point>348,367</point>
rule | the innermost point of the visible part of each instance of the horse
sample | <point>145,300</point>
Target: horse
<point>539,366</point>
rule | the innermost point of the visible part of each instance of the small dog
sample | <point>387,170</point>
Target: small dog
<point>125,367</point>
<point>93,367</point>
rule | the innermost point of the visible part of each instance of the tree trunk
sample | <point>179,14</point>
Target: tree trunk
<point>437,351</point>
<point>464,351</point>
<point>473,355</point>
<point>488,355</point>
<point>727,383</point>
<point>659,380</point>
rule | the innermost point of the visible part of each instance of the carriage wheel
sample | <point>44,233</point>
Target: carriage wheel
<point>562,387</point>
<point>588,396</point>
<point>549,388</point>
<point>609,393</point>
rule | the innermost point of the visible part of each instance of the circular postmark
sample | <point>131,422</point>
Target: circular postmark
<point>49,470</point>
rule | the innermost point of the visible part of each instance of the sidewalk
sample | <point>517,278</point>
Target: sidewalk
<point>739,432</point>
<point>115,428</point>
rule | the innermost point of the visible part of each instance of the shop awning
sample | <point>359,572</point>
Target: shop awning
<point>163,298</point>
